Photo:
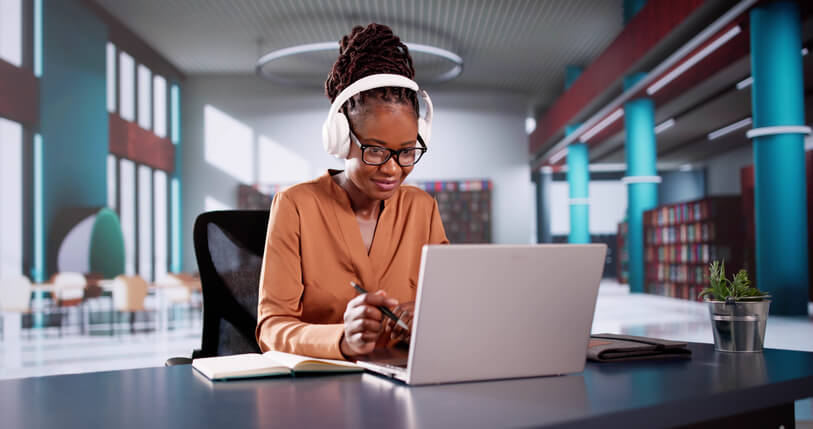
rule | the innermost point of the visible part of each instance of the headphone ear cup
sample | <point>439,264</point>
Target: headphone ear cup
<point>425,123</point>
<point>425,130</point>
<point>336,136</point>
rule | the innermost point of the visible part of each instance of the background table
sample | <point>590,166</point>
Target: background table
<point>644,394</point>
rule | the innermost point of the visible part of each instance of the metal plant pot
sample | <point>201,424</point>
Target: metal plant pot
<point>739,326</point>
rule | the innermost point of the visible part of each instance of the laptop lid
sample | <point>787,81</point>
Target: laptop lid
<point>503,311</point>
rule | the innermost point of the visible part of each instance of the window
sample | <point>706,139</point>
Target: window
<point>176,114</point>
<point>11,31</point>
<point>144,97</point>
<point>11,195</point>
<point>144,197</point>
<point>126,87</point>
<point>145,222</point>
<point>159,103</point>
<point>127,213</point>
<point>111,181</point>
<point>111,77</point>
<point>176,224</point>
<point>161,223</point>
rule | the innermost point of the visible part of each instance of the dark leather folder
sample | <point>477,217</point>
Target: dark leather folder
<point>613,348</point>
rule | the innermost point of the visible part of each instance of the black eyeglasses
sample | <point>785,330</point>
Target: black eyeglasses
<point>377,155</point>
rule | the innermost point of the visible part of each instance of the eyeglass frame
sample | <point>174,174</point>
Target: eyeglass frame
<point>395,153</point>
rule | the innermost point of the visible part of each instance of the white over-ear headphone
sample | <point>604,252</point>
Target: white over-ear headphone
<point>336,129</point>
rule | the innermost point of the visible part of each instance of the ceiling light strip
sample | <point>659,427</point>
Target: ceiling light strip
<point>779,129</point>
<point>670,61</point>
<point>602,125</point>
<point>641,179</point>
<point>665,125</point>
<point>729,128</point>
<point>694,59</point>
<point>745,83</point>
<point>558,156</point>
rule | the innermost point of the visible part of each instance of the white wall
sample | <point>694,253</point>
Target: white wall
<point>608,206</point>
<point>723,171</point>
<point>476,135</point>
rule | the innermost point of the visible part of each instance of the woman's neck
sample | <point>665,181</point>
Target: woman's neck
<point>363,206</point>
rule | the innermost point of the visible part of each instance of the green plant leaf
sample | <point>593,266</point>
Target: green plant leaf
<point>739,287</point>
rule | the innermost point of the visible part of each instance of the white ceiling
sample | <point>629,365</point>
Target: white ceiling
<point>519,46</point>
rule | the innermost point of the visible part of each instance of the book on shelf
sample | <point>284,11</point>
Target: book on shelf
<point>682,239</point>
<point>270,363</point>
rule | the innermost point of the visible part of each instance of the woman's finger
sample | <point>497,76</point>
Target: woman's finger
<point>363,325</point>
<point>380,298</point>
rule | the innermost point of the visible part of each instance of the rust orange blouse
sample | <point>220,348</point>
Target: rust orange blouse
<point>314,250</point>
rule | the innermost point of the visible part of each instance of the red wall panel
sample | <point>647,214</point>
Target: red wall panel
<point>130,141</point>
<point>19,94</point>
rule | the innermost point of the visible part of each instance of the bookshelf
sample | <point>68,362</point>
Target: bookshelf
<point>465,208</point>
<point>680,241</point>
<point>464,205</point>
<point>623,260</point>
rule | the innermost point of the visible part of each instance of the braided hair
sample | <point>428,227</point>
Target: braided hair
<point>366,51</point>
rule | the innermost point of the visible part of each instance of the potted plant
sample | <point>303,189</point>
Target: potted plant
<point>738,311</point>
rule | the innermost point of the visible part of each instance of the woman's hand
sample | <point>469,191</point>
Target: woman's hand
<point>405,312</point>
<point>363,323</point>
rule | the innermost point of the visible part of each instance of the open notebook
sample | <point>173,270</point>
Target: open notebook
<point>268,364</point>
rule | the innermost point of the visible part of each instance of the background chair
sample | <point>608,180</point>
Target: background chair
<point>128,296</point>
<point>177,291</point>
<point>229,248</point>
<point>15,300</point>
<point>69,292</point>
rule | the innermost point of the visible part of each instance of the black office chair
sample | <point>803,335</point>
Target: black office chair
<point>229,248</point>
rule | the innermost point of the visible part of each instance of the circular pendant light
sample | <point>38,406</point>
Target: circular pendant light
<point>265,68</point>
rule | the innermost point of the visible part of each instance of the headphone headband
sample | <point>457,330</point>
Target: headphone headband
<point>336,129</point>
<point>370,82</point>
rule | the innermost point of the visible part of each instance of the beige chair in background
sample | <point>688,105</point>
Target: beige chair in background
<point>15,294</point>
<point>175,290</point>
<point>15,300</point>
<point>69,290</point>
<point>129,293</point>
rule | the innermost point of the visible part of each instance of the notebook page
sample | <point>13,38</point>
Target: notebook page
<point>292,360</point>
<point>242,365</point>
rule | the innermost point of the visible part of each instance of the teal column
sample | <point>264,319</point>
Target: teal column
<point>176,199</point>
<point>578,176</point>
<point>631,8</point>
<point>578,179</point>
<point>571,74</point>
<point>642,179</point>
<point>779,160</point>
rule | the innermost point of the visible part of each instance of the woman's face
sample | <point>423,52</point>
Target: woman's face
<point>380,123</point>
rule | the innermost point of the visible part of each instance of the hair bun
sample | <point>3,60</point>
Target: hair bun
<point>368,50</point>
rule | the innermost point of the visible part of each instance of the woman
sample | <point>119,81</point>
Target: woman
<point>358,224</point>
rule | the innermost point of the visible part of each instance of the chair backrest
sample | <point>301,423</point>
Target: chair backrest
<point>15,294</point>
<point>69,287</point>
<point>129,293</point>
<point>229,247</point>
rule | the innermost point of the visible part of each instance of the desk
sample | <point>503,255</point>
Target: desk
<point>652,394</point>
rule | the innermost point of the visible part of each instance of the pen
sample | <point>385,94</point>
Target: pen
<point>386,311</point>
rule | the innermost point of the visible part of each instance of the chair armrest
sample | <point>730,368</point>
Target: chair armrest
<point>173,361</point>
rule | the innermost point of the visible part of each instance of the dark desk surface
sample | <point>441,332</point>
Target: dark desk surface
<point>648,394</point>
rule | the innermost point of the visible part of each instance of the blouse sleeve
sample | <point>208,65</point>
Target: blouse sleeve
<point>279,307</point>
<point>437,235</point>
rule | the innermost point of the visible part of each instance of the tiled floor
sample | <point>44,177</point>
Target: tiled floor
<point>617,311</point>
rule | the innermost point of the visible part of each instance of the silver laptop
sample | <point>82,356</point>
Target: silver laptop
<point>498,311</point>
